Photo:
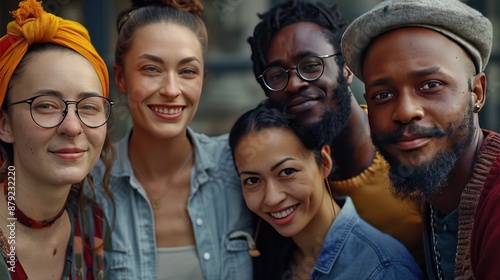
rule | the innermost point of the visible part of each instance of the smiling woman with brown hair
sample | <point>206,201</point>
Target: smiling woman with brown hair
<point>180,200</point>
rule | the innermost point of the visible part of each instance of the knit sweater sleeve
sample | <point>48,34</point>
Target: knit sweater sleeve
<point>485,236</point>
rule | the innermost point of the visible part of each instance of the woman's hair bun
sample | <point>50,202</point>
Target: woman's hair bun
<point>192,6</point>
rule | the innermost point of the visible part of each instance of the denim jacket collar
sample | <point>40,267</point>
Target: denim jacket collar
<point>337,235</point>
<point>123,167</point>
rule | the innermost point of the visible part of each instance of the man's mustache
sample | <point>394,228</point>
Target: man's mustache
<point>413,130</point>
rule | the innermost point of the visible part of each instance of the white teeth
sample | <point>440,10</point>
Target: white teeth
<point>167,111</point>
<point>283,214</point>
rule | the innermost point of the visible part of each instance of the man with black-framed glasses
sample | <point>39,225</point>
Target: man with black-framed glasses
<point>310,68</point>
<point>297,60</point>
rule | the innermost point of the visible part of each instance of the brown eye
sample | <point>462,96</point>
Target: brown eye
<point>287,172</point>
<point>430,85</point>
<point>382,95</point>
<point>251,181</point>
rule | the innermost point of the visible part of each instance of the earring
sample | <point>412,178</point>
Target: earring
<point>254,252</point>
<point>329,189</point>
<point>477,108</point>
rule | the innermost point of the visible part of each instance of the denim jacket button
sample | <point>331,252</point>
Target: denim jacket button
<point>199,221</point>
<point>206,256</point>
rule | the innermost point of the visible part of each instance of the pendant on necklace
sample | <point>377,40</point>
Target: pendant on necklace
<point>155,204</point>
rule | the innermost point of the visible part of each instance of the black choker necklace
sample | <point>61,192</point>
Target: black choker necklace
<point>27,221</point>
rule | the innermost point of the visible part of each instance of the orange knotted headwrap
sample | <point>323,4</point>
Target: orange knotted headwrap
<point>34,25</point>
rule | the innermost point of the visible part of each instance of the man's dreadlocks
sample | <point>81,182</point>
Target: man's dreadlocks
<point>288,13</point>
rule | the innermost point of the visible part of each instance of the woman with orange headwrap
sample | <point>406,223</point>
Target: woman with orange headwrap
<point>54,107</point>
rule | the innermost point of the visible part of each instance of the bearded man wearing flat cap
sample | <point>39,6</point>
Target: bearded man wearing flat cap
<point>422,63</point>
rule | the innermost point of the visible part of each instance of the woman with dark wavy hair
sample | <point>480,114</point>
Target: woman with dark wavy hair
<point>180,213</point>
<point>303,232</point>
<point>54,109</point>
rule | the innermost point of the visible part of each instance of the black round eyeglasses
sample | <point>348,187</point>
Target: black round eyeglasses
<point>310,68</point>
<point>49,111</point>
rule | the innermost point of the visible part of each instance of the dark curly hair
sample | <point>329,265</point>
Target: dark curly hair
<point>288,13</point>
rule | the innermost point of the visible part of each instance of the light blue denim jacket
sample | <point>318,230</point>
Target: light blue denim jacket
<point>353,249</point>
<point>215,206</point>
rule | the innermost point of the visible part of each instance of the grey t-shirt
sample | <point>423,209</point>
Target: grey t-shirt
<point>178,263</point>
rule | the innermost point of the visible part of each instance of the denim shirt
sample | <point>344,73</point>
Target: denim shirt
<point>353,249</point>
<point>215,206</point>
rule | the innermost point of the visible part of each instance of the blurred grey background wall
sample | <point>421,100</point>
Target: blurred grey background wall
<point>230,88</point>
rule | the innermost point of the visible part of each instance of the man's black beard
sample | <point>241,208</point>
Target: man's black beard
<point>427,179</point>
<point>324,132</point>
